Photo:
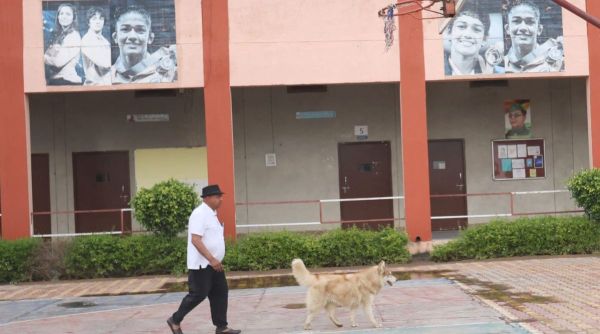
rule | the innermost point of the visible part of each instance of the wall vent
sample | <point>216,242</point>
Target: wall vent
<point>306,89</point>
<point>488,83</point>
<point>139,94</point>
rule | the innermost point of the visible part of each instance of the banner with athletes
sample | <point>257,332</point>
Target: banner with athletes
<point>109,42</point>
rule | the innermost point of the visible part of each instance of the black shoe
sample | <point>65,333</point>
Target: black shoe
<point>171,323</point>
<point>227,330</point>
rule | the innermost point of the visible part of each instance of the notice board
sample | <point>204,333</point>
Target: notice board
<point>518,159</point>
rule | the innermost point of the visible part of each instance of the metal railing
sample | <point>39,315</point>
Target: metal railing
<point>121,212</point>
<point>510,198</point>
<point>319,205</point>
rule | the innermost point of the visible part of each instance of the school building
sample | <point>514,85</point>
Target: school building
<point>294,108</point>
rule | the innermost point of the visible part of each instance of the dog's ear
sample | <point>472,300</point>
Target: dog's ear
<point>381,267</point>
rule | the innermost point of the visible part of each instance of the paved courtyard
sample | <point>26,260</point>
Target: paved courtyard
<point>528,295</point>
<point>415,306</point>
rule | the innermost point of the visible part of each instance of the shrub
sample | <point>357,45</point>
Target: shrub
<point>585,189</point>
<point>117,256</point>
<point>114,256</point>
<point>16,259</point>
<point>522,237</point>
<point>49,260</point>
<point>165,208</point>
<point>264,251</point>
<point>352,247</point>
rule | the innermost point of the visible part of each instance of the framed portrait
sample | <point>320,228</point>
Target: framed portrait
<point>517,119</point>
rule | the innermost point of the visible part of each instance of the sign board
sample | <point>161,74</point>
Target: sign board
<point>361,130</point>
<point>315,114</point>
<point>271,160</point>
<point>518,159</point>
<point>141,118</point>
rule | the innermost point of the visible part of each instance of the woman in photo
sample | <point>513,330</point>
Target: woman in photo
<point>468,32</point>
<point>95,49</point>
<point>63,54</point>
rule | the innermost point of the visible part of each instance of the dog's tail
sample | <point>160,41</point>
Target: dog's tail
<point>301,274</point>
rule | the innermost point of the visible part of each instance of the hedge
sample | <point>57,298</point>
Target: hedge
<point>117,256</point>
<point>16,260</point>
<point>523,237</point>
<point>110,256</point>
<point>336,248</point>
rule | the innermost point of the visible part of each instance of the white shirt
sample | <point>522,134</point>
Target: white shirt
<point>95,50</point>
<point>66,57</point>
<point>204,222</point>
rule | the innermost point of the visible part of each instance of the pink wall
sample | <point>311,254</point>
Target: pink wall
<point>275,42</point>
<point>309,41</point>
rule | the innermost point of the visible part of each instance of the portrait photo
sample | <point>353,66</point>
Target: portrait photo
<point>517,119</point>
<point>504,36</point>
<point>107,42</point>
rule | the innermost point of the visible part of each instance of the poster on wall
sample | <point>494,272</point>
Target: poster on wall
<point>517,119</point>
<point>109,42</point>
<point>504,36</point>
<point>518,159</point>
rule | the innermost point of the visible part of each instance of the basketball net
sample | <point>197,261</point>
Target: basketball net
<point>389,27</point>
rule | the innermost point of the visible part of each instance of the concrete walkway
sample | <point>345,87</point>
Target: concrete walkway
<point>542,294</point>
<point>415,306</point>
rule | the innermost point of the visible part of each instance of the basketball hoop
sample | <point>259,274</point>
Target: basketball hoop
<point>448,10</point>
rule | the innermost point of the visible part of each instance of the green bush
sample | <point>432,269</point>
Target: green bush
<point>264,251</point>
<point>165,208</point>
<point>117,256</point>
<point>352,247</point>
<point>522,237</point>
<point>16,259</point>
<point>114,256</point>
<point>585,189</point>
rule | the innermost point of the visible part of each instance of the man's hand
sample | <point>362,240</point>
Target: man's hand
<point>216,264</point>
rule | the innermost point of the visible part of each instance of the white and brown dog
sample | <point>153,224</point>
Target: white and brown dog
<point>328,291</point>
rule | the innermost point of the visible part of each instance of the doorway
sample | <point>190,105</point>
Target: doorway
<point>101,181</point>
<point>40,192</point>
<point>365,170</point>
<point>447,176</point>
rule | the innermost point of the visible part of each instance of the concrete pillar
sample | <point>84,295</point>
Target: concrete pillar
<point>14,127</point>
<point>593,86</point>
<point>413,114</point>
<point>217,102</point>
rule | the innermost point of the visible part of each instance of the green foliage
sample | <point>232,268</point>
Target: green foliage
<point>165,208</point>
<point>585,189</point>
<point>117,256</point>
<point>522,237</point>
<point>16,259</point>
<point>352,247</point>
<point>114,256</point>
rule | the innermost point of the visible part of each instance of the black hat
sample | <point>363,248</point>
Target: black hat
<point>211,190</point>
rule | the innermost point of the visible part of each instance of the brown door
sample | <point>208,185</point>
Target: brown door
<point>101,181</point>
<point>40,184</point>
<point>366,171</point>
<point>447,177</point>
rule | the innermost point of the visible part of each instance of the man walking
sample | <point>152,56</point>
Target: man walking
<point>205,251</point>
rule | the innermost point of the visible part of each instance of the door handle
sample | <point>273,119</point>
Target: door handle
<point>345,187</point>
<point>461,185</point>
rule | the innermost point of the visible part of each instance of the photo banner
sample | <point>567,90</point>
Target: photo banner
<point>109,42</point>
<point>504,36</point>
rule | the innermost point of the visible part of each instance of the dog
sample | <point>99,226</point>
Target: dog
<point>328,291</point>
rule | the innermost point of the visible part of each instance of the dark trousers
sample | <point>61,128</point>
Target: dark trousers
<point>206,283</point>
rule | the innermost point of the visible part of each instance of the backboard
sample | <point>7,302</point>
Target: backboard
<point>451,8</point>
